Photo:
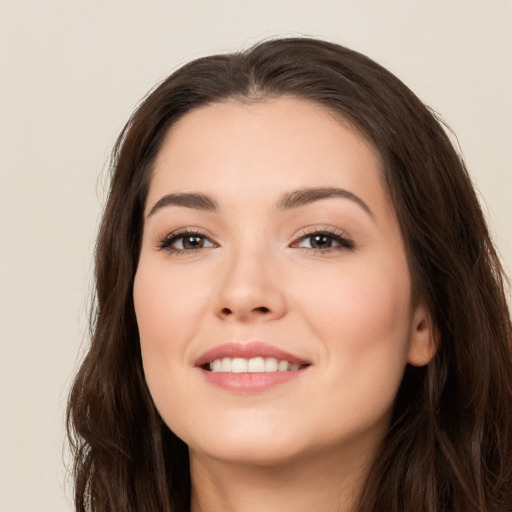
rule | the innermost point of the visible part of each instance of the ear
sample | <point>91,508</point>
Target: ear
<point>424,339</point>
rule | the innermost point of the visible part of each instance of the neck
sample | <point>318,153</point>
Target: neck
<point>325,484</point>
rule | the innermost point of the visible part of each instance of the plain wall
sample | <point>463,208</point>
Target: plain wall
<point>70,74</point>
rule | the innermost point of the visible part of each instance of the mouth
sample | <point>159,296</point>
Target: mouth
<point>252,365</point>
<point>253,357</point>
<point>249,367</point>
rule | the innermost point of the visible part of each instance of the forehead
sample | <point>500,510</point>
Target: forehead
<point>250,150</point>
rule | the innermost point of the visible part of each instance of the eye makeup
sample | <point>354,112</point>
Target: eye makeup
<point>317,240</point>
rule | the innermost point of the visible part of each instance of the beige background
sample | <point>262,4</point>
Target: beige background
<point>70,74</point>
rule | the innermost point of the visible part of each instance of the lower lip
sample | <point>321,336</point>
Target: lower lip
<point>250,382</point>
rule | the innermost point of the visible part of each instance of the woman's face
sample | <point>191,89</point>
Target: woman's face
<point>270,244</point>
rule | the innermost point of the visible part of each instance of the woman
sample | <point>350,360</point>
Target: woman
<point>298,303</point>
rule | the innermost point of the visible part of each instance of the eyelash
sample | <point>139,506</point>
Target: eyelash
<point>337,236</point>
<point>166,243</point>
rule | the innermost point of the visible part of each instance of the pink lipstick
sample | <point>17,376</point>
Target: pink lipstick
<point>249,367</point>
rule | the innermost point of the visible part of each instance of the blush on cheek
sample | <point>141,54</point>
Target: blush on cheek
<point>367,320</point>
<point>156,307</point>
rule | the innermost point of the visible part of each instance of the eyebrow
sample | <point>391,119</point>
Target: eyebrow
<point>307,196</point>
<point>188,200</point>
<point>288,201</point>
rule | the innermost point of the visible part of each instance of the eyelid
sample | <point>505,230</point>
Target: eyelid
<point>165,243</point>
<point>346,242</point>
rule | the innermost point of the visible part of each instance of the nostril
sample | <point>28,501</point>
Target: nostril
<point>259,310</point>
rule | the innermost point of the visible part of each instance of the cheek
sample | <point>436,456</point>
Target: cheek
<point>168,311</point>
<point>364,321</point>
<point>168,308</point>
<point>364,294</point>
<point>163,299</point>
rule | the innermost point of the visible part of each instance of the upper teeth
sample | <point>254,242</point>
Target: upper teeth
<point>252,365</point>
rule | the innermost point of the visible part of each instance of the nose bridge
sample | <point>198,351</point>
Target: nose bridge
<point>248,286</point>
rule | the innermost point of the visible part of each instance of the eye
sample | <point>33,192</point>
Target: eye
<point>324,241</point>
<point>185,241</point>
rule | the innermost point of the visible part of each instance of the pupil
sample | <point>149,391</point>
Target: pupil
<point>321,241</point>
<point>193,242</point>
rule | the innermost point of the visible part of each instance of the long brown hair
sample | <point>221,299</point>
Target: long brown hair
<point>449,447</point>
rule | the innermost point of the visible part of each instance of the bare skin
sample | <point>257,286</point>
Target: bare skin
<point>321,484</point>
<point>267,225</point>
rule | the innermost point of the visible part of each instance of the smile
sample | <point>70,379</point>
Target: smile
<point>252,365</point>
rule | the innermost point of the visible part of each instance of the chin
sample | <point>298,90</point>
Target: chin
<point>261,445</point>
<point>265,444</point>
<point>250,453</point>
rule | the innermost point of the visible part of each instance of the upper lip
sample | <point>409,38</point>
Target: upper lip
<point>248,351</point>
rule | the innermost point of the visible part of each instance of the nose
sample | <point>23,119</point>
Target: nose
<point>250,289</point>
